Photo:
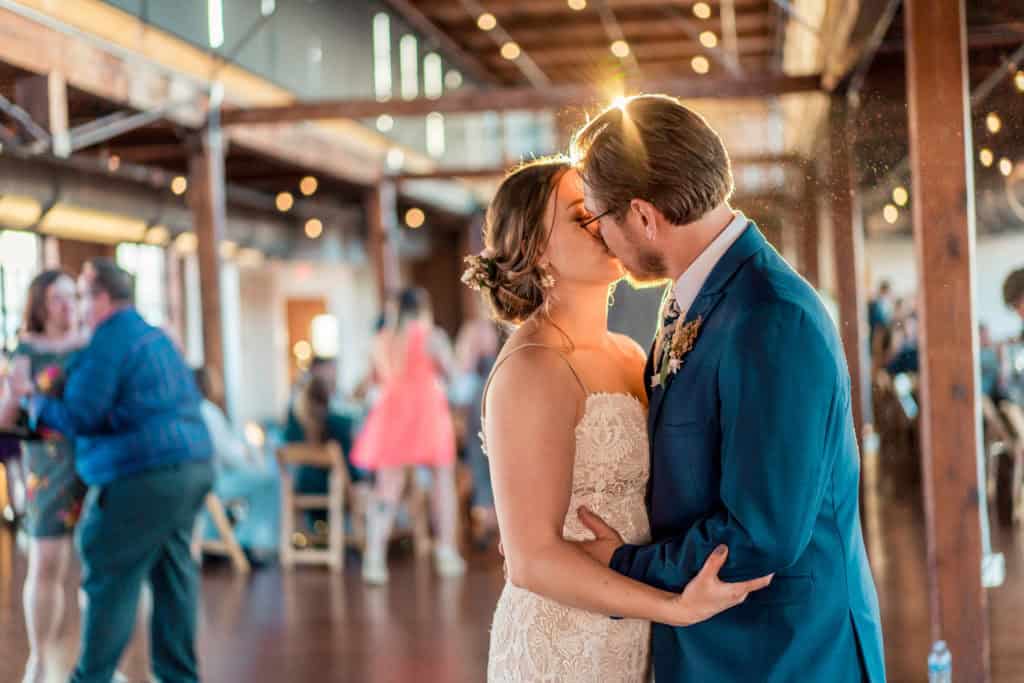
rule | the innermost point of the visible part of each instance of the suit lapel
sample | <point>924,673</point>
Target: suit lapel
<point>702,308</point>
<point>711,294</point>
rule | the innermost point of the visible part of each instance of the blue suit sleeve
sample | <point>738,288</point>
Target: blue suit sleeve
<point>779,387</point>
<point>89,393</point>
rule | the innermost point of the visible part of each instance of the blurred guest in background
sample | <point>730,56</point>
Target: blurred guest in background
<point>54,492</point>
<point>410,425</point>
<point>476,349</point>
<point>880,311</point>
<point>1013,294</point>
<point>243,477</point>
<point>142,448</point>
<point>313,418</point>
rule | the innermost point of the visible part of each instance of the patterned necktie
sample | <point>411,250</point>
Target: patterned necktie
<point>670,313</point>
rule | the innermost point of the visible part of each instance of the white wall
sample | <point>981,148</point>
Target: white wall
<point>351,298</point>
<point>996,257</point>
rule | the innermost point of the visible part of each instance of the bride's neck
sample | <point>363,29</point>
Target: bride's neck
<point>581,312</point>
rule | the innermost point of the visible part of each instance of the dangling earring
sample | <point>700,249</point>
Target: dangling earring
<point>547,276</point>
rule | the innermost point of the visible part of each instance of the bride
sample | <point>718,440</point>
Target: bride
<point>565,427</point>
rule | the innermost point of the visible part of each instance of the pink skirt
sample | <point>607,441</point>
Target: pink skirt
<point>410,425</point>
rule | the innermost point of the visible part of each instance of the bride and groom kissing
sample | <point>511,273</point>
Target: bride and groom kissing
<point>693,510</point>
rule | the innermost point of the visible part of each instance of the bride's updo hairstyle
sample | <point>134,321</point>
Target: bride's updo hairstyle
<point>509,272</point>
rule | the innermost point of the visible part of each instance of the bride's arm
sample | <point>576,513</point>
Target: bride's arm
<point>533,407</point>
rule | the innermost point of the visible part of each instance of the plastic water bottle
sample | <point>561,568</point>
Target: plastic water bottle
<point>940,664</point>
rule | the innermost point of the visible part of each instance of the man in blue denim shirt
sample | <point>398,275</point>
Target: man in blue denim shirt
<point>141,445</point>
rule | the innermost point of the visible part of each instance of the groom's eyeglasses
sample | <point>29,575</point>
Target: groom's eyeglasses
<point>590,221</point>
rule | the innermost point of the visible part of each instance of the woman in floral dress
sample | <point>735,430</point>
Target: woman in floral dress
<point>54,493</point>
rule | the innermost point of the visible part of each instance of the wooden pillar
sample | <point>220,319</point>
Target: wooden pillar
<point>381,220</point>
<point>45,99</point>
<point>848,241</point>
<point>206,199</point>
<point>944,237</point>
<point>810,234</point>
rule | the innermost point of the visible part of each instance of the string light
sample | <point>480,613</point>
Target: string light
<point>700,64</point>
<point>314,228</point>
<point>1005,166</point>
<point>415,218</point>
<point>702,10</point>
<point>708,39</point>
<point>284,201</point>
<point>308,186</point>
<point>900,196</point>
<point>1018,80</point>
<point>986,157</point>
<point>113,163</point>
<point>179,185</point>
<point>620,49</point>
<point>453,80</point>
<point>486,21</point>
<point>577,5</point>
<point>993,122</point>
<point>891,214</point>
<point>510,51</point>
<point>385,123</point>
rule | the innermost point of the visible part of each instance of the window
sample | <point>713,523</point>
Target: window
<point>409,63</point>
<point>215,20</point>
<point>146,263</point>
<point>19,263</point>
<point>433,76</point>
<point>435,135</point>
<point>382,56</point>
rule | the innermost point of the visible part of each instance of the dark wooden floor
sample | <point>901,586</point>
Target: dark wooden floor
<point>312,626</point>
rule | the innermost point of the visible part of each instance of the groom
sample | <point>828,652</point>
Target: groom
<point>752,436</point>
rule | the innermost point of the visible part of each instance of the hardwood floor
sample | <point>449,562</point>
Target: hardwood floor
<point>311,626</point>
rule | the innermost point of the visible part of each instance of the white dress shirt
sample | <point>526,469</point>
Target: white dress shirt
<point>689,284</point>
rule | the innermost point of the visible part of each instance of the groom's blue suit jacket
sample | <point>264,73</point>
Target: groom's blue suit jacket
<point>754,447</point>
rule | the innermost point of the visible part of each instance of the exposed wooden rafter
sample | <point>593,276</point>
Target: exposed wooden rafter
<point>524,99</point>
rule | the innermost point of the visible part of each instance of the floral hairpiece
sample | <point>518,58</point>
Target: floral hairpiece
<point>481,271</point>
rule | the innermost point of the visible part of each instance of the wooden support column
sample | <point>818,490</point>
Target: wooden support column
<point>848,240</point>
<point>810,234</point>
<point>944,236</point>
<point>45,99</point>
<point>382,223</point>
<point>206,199</point>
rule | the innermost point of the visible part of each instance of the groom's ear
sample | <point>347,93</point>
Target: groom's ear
<point>647,214</point>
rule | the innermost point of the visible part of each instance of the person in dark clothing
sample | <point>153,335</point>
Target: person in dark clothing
<point>132,407</point>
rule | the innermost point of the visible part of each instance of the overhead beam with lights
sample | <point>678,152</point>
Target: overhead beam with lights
<point>522,99</point>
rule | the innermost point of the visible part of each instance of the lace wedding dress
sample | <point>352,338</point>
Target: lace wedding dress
<point>536,640</point>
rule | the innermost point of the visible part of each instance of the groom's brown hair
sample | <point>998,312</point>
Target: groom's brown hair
<point>652,147</point>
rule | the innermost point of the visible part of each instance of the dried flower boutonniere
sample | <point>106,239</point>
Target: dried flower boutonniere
<point>682,337</point>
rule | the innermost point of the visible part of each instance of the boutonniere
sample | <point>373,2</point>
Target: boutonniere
<point>681,338</point>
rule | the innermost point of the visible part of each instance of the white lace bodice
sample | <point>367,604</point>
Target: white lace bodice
<point>534,639</point>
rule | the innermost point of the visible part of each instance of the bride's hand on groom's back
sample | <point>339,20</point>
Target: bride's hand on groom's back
<point>707,595</point>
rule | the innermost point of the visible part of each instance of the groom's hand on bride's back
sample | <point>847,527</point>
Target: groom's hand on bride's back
<point>707,595</point>
<point>606,539</point>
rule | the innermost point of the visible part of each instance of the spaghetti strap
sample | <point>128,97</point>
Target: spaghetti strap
<point>494,371</point>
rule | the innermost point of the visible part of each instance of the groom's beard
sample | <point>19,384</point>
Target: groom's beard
<point>647,267</point>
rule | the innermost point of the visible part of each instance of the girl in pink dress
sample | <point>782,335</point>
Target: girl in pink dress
<point>410,425</point>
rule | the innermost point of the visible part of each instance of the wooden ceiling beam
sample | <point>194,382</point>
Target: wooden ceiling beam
<point>535,99</point>
<point>448,11</point>
<point>147,154</point>
<point>562,55</point>
<point>637,31</point>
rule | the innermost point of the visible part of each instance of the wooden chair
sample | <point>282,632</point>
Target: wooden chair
<point>329,457</point>
<point>227,545</point>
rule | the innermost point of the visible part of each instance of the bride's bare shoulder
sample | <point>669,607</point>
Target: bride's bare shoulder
<point>530,369</point>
